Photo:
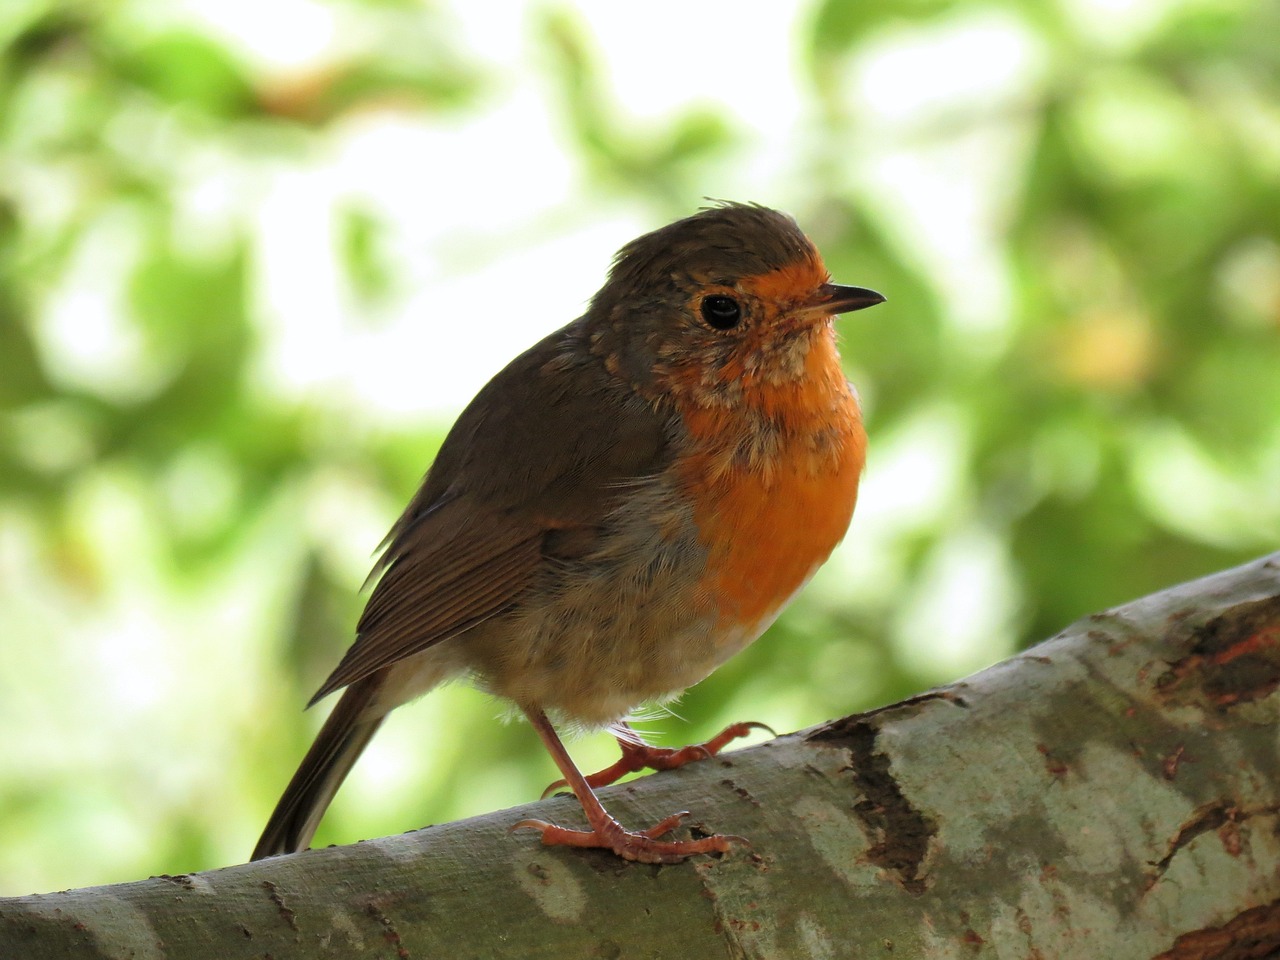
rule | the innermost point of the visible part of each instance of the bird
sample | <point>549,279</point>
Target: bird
<point>626,505</point>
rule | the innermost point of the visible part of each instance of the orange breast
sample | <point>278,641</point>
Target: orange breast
<point>770,509</point>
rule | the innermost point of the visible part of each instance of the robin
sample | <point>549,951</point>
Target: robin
<point>629,503</point>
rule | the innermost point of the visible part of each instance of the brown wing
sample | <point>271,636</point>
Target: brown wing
<point>540,451</point>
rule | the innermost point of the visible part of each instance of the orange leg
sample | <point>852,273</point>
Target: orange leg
<point>607,833</point>
<point>639,756</point>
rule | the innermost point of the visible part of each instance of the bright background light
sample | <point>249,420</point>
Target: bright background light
<point>255,256</point>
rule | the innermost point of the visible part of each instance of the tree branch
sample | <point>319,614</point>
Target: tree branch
<point>1113,792</point>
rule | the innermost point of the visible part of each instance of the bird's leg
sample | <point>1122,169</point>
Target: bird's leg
<point>606,833</point>
<point>638,755</point>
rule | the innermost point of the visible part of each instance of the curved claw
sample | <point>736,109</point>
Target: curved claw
<point>639,756</point>
<point>553,787</point>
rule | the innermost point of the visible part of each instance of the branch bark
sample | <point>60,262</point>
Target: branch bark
<point>1113,792</point>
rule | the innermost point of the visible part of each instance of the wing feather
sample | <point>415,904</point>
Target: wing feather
<point>449,572</point>
<point>539,455</point>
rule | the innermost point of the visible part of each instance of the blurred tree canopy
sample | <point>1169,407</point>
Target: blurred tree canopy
<point>254,255</point>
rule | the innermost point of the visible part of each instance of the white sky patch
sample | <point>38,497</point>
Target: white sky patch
<point>491,249</point>
<point>959,615</point>
<point>1186,489</point>
<point>471,303</point>
<point>745,67</point>
<point>972,59</point>
<point>1119,25</point>
<point>474,173</point>
<point>942,150</point>
<point>85,336</point>
<point>721,55</point>
<point>915,479</point>
<point>273,35</point>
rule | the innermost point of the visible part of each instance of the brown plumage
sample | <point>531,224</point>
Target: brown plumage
<point>628,503</point>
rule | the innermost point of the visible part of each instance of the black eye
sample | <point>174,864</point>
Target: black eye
<point>723,313</point>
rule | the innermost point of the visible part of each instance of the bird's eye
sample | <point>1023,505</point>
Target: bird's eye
<point>723,313</point>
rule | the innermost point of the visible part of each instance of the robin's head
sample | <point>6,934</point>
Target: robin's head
<point>714,303</point>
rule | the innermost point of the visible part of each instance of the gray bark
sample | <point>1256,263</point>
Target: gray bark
<point>1111,793</point>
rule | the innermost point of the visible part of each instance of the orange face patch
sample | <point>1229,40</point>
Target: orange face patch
<point>788,285</point>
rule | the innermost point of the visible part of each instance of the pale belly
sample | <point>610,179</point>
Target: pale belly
<point>627,622</point>
<point>593,649</point>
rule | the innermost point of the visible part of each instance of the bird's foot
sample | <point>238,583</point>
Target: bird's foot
<point>641,756</point>
<point>642,846</point>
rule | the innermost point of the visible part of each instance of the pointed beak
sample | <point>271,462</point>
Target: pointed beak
<point>833,298</point>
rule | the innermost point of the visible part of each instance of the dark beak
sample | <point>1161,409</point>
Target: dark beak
<point>833,298</point>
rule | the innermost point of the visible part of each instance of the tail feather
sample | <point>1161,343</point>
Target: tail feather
<point>339,744</point>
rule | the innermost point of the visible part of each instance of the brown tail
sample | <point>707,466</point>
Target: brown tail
<point>337,747</point>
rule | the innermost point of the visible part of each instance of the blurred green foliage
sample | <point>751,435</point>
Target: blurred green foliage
<point>1073,392</point>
